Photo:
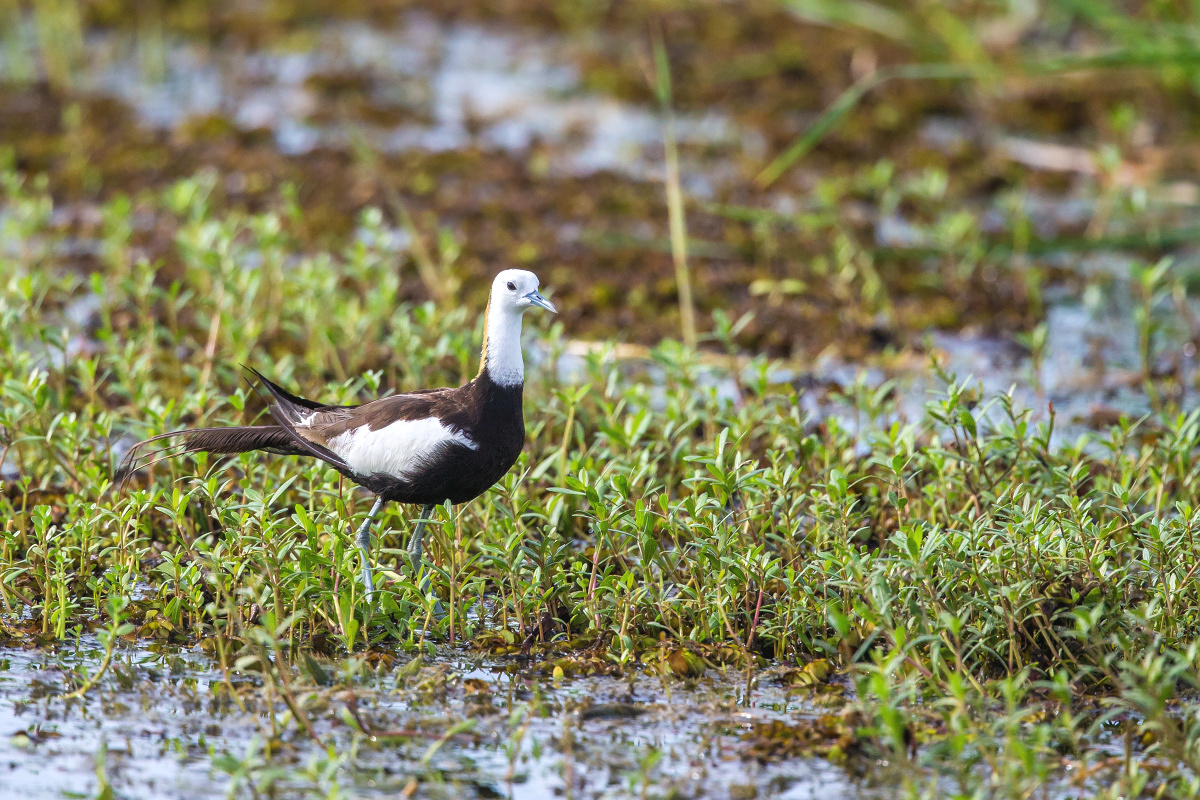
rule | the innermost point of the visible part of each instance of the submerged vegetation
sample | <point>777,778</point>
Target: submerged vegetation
<point>830,526</point>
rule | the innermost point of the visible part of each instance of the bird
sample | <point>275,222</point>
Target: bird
<point>425,447</point>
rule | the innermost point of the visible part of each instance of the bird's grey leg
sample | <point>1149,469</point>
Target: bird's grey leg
<point>415,547</point>
<point>416,543</point>
<point>363,538</point>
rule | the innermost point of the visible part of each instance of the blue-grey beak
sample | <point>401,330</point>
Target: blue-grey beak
<point>535,298</point>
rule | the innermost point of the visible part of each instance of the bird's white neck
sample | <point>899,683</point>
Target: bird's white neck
<point>502,347</point>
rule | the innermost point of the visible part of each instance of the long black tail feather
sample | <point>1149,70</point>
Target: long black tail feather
<point>220,441</point>
<point>282,439</point>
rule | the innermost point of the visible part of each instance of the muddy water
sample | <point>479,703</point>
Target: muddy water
<point>430,85</point>
<point>161,724</point>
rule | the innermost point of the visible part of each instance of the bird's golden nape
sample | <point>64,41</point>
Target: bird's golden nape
<point>426,448</point>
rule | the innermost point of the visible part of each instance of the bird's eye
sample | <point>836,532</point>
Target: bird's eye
<point>512,287</point>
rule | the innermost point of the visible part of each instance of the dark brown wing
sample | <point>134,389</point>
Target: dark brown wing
<point>327,424</point>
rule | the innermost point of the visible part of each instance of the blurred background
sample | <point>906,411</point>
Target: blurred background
<point>1007,189</point>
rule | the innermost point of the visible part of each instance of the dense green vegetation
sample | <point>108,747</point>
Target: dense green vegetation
<point>1005,605</point>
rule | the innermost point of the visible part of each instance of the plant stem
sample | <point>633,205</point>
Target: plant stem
<point>675,216</point>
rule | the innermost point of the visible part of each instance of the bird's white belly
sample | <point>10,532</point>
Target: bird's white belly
<point>400,449</point>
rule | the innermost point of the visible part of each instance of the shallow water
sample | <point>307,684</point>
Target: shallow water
<point>442,86</point>
<point>159,724</point>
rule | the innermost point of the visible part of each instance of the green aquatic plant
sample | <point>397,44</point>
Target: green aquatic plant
<point>948,565</point>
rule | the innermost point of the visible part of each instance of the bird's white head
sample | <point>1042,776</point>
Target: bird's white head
<point>514,291</point>
<point>517,290</point>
